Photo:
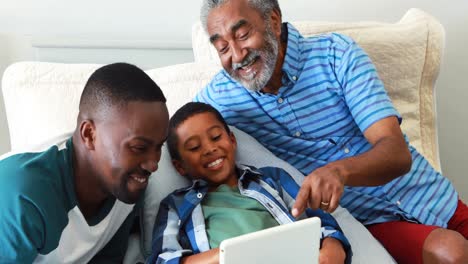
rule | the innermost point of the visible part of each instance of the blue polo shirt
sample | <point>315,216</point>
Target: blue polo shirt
<point>331,94</point>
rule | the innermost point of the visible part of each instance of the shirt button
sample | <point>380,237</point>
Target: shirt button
<point>346,150</point>
<point>294,78</point>
<point>297,134</point>
<point>199,195</point>
<point>280,100</point>
<point>398,202</point>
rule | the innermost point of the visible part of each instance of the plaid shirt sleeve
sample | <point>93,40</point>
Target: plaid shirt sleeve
<point>166,248</point>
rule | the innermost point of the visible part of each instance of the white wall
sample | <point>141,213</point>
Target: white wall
<point>169,23</point>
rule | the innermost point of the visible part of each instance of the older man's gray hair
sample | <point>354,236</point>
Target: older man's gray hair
<point>265,7</point>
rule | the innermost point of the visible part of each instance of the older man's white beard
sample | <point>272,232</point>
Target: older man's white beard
<point>256,81</point>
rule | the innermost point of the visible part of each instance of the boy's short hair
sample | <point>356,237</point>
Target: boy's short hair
<point>184,113</point>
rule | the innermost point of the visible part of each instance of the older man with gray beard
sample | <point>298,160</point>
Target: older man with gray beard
<point>319,104</point>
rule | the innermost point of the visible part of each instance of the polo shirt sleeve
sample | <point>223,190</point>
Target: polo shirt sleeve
<point>361,87</point>
<point>213,94</point>
<point>22,227</point>
<point>31,215</point>
<point>206,94</point>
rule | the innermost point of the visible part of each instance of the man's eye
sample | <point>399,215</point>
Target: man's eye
<point>138,149</point>
<point>244,36</point>
<point>216,138</point>
<point>223,50</point>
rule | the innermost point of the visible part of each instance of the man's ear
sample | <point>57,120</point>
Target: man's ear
<point>179,167</point>
<point>88,133</point>
<point>275,20</point>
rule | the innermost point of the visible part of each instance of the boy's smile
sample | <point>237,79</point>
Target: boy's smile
<point>207,150</point>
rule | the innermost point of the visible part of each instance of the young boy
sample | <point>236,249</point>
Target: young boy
<point>225,200</point>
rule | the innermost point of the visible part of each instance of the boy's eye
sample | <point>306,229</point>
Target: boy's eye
<point>193,148</point>
<point>217,137</point>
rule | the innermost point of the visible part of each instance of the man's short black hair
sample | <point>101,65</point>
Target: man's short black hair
<point>115,85</point>
<point>184,113</point>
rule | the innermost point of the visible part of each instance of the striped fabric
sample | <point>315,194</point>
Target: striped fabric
<point>331,93</point>
<point>180,225</point>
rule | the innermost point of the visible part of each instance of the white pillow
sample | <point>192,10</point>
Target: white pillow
<point>180,83</point>
<point>46,95</point>
<point>365,247</point>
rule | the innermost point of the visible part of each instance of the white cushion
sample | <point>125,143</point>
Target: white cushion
<point>181,82</point>
<point>407,55</point>
<point>41,100</point>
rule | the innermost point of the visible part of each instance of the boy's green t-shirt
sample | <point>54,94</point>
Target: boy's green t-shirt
<point>229,214</point>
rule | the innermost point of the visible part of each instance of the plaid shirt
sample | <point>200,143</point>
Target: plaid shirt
<point>180,224</point>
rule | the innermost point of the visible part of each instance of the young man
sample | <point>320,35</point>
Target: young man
<point>319,104</point>
<point>228,200</point>
<point>76,202</point>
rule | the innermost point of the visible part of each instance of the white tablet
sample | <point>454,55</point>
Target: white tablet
<point>297,243</point>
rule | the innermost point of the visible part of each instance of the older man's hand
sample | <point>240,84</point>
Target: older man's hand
<point>321,189</point>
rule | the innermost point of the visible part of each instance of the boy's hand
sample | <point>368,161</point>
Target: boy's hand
<point>208,257</point>
<point>332,251</point>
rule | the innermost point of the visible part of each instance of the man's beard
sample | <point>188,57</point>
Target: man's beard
<point>268,55</point>
<point>122,192</point>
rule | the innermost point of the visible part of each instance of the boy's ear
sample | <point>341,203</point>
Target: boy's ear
<point>233,139</point>
<point>179,167</point>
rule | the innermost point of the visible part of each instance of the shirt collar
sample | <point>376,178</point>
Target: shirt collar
<point>246,173</point>
<point>292,65</point>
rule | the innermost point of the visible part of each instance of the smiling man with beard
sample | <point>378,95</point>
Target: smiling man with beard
<point>319,104</point>
<point>77,201</point>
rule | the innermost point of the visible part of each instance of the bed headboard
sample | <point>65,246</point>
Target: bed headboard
<point>146,54</point>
